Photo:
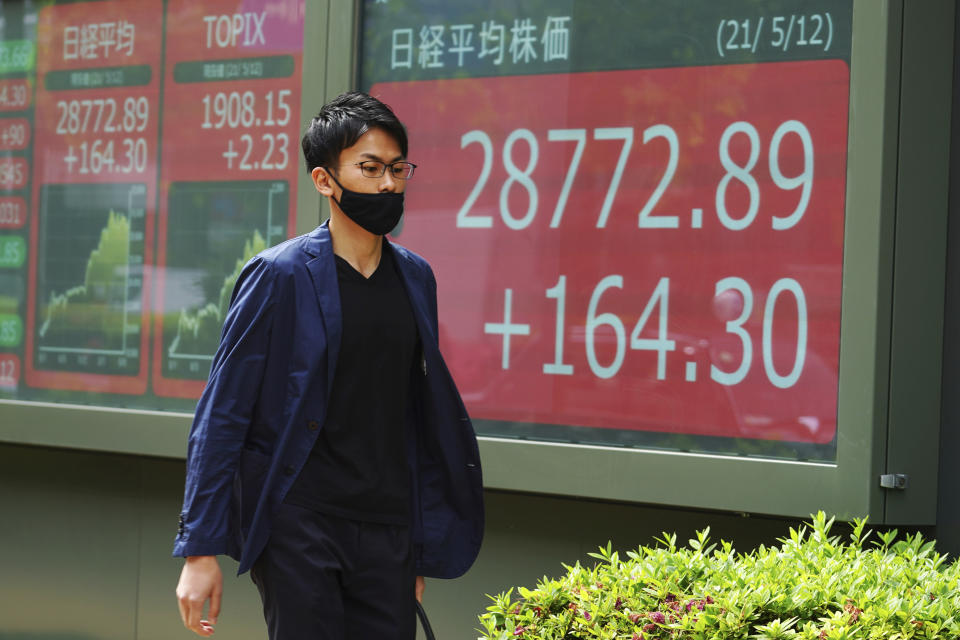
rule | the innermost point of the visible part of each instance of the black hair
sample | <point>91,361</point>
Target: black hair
<point>340,124</point>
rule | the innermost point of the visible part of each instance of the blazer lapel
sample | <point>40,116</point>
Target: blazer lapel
<point>323,272</point>
<point>416,292</point>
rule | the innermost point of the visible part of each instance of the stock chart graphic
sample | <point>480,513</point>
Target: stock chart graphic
<point>214,229</point>
<point>89,282</point>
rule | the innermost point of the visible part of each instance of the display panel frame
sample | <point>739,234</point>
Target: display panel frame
<point>874,403</point>
<point>768,485</point>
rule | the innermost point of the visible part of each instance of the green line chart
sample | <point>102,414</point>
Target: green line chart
<point>90,279</point>
<point>215,228</point>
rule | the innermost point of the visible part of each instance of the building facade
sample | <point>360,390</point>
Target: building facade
<point>694,263</point>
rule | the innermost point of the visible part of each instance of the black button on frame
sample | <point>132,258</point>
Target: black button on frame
<point>313,425</point>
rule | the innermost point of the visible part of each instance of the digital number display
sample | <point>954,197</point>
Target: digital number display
<point>636,218</point>
<point>230,164</point>
<point>97,121</point>
<point>13,212</point>
<point>14,172</point>
<point>14,134</point>
<point>9,371</point>
<point>631,256</point>
<point>17,65</point>
<point>15,94</point>
<point>147,151</point>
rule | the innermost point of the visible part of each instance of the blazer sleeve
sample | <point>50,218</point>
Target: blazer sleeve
<point>224,413</point>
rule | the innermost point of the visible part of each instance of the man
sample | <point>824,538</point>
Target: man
<point>330,453</point>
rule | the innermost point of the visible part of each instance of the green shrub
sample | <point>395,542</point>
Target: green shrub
<point>813,586</point>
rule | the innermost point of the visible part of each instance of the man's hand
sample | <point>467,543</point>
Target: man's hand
<point>418,589</point>
<point>200,581</point>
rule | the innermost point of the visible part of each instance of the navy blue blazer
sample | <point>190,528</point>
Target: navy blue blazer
<point>266,401</point>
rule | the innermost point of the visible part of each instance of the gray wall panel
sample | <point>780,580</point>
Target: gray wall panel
<point>87,553</point>
<point>69,544</point>
<point>157,615</point>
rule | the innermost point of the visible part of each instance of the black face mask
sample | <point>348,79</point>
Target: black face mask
<point>378,213</point>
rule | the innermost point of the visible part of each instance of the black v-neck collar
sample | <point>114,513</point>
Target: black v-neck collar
<point>345,268</point>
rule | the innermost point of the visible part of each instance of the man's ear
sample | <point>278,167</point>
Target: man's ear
<point>322,181</point>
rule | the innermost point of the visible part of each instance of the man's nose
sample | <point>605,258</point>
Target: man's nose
<point>388,183</point>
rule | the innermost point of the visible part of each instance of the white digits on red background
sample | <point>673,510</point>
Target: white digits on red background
<point>647,219</point>
<point>661,342</point>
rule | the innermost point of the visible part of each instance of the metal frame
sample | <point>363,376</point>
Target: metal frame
<point>890,328</point>
<point>919,256</point>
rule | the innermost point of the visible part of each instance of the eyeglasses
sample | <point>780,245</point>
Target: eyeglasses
<point>376,169</point>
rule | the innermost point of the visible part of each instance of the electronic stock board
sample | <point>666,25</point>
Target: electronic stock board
<point>635,213</point>
<point>150,149</point>
<point>639,215</point>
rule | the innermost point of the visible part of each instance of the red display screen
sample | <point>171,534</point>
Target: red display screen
<point>653,250</point>
<point>14,134</point>
<point>13,212</point>
<point>147,151</point>
<point>93,194</point>
<point>230,165</point>
<point>9,370</point>
<point>15,94</point>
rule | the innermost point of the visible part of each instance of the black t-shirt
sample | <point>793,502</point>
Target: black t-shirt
<point>358,466</point>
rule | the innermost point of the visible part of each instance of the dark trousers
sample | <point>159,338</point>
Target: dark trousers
<point>327,578</point>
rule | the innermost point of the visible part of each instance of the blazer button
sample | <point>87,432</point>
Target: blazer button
<point>313,425</point>
<point>289,470</point>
